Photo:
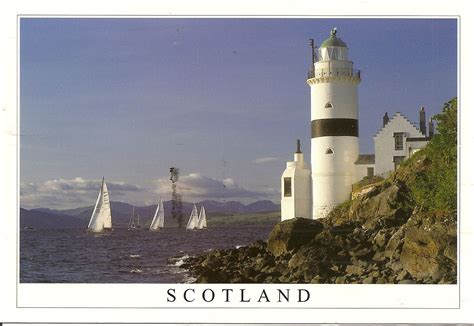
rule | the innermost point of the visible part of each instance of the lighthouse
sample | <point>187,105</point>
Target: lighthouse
<point>334,125</point>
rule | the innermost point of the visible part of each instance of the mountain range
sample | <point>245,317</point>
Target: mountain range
<point>40,218</point>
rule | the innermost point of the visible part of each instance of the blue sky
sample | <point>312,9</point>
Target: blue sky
<point>222,99</point>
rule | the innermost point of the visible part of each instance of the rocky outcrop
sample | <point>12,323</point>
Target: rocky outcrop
<point>292,234</point>
<point>380,237</point>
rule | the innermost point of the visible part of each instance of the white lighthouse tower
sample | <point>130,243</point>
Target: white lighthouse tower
<point>334,125</point>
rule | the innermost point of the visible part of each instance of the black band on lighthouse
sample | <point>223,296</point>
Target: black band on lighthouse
<point>334,127</point>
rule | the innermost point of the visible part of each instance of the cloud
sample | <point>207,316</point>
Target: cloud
<point>199,187</point>
<point>62,193</point>
<point>79,192</point>
<point>263,160</point>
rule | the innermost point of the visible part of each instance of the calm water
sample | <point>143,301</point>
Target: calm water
<point>72,255</point>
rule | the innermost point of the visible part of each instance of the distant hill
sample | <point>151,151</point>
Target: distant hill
<point>121,213</point>
<point>47,220</point>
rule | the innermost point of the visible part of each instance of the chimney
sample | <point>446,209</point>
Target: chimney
<point>431,128</point>
<point>423,121</point>
<point>298,146</point>
<point>385,119</point>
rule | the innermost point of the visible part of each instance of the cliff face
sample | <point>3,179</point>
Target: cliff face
<point>378,238</point>
<point>404,230</point>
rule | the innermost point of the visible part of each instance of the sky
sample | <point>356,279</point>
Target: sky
<point>222,99</point>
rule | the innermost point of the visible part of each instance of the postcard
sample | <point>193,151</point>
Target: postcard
<point>223,168</point>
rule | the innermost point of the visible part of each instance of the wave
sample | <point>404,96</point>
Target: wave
<point>178,261</point>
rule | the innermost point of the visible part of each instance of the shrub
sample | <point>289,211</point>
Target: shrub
<point>436,187</point>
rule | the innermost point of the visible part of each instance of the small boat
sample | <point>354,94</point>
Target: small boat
<point>132,225</point>
<point>193,219</point>
<point>159,219</point>
<point>202,221</point>
<point>101,219</point>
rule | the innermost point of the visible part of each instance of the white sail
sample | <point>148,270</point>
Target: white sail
<point>131,224</point>
<point>159,218</point>
<point>101,215</point>
<point>193,219</point>
<point>202,222</point>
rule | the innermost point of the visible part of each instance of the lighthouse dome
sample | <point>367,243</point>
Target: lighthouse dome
<point>333,48</point>
<point>333,40</point>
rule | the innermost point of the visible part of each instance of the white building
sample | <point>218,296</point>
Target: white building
<point>335,160</point>
<point>296,188</point>
<point>398,140</point>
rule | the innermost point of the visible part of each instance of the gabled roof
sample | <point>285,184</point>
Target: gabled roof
<point>366,159</point>
<point>391,119</point>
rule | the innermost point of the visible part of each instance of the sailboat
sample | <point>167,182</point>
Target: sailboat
<point>131,224</point>
<point>101,219</point>
<point>159,218</point>
<point>193,219</point>
<point>202,222</point>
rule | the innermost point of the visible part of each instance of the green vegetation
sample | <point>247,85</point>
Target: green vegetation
<point>366,181</point>
<point>435,186</point>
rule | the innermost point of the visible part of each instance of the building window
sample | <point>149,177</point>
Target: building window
<point>397,160</point>
<point>370,172</point>
<point>328,105</point>
<point>329,151</point>
<point>398,136</point>
<point>287,187</point>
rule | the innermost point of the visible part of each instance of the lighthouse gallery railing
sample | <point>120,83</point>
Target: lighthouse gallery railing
<point>328,72</point>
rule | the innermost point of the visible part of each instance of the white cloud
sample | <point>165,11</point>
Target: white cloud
<point>263,160</point>
<point>197,187</point>
<point>67,193</point>
<point>79,192</point>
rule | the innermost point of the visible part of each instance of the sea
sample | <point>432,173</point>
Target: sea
<point>123,256</point>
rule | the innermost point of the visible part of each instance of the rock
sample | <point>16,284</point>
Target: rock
<point>394,245</point>
<point>427,241</point>
<point>379,238</point>
<point>402,275</point>
<point>419,252</point>
<point>368,280</point>
<point>211,276</point>
<point>340,280</point>
<point>260,278</point>
<point>354,270</point>
<point>292,234</point>
<point>361,252</point>
<point>451,251</point>
<point>378,256</point>
<point>407,282</point>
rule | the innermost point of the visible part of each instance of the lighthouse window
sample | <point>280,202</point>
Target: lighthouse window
<point>329,151</point>
<point>398,136</point>
<point>287,187</point>
<point>328,105</point>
